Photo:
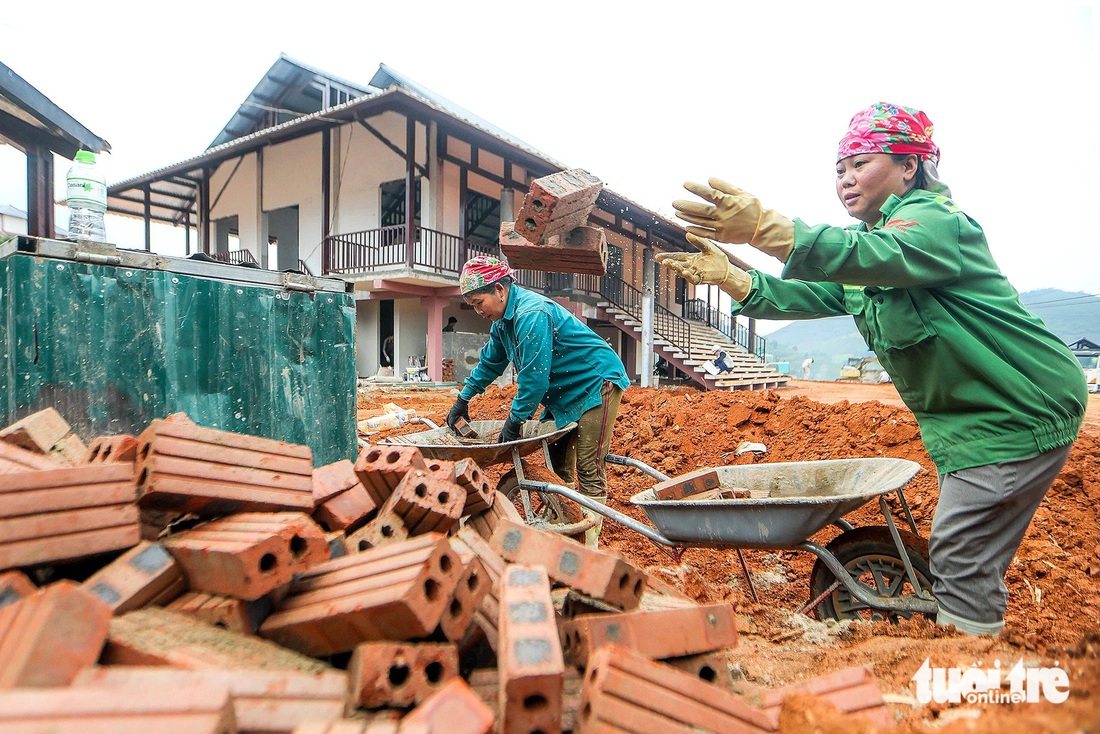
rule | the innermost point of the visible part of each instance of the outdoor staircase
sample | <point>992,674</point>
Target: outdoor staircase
<point>688,345</point>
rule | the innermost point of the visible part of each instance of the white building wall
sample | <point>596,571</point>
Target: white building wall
<point>366,338</point>
<point>292,177</point>
<point>235,194</point>
<point>410,329</point>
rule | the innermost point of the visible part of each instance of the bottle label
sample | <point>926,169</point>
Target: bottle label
<point>85,192</point>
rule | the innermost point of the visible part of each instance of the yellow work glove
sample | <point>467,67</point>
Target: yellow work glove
<point>735,216</point>
<point>711,266</point>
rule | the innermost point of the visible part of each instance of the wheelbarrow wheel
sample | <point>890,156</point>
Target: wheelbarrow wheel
<point>547,510</point>
<point>870,556</point>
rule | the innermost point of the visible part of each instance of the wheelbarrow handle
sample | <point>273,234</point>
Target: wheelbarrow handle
<point>635,463</point>
<point>600,509</point>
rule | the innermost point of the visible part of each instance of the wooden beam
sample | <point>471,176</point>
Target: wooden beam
<point>386,141</point>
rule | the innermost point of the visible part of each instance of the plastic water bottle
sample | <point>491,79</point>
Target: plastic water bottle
<point>86,195</point>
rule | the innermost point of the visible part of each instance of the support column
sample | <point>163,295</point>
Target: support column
<point>147,218</point>
<point>40,214</point>
<point>262,247</point>
<point>410,192</point>
<point>648,290</point>
<point>326,183</point>
<point>204,212</point>
<point>434,357</point>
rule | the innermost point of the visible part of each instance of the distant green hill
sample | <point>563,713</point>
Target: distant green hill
<point>831,341</point>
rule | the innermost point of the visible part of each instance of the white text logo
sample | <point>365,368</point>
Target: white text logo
<point>984,685</point>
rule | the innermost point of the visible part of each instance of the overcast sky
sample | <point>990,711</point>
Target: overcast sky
<point>643,95</point>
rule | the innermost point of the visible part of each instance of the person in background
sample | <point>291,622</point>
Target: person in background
<point>450,324</point>
<point>998,397</point>
<point>559,362</point>
<point>720,361</point>
<point>387,352</point>
<point>806,367</point>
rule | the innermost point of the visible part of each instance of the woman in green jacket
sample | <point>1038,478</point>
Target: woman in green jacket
<point>998,397</point>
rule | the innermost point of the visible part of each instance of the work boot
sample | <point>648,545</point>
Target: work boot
<point>592,534</point>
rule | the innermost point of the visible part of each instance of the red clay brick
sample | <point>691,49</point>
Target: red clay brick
<point>70,450</point>
<point>46,638</point>
<point>656,634</point>
<point>485,682</point>
<point>235,615</point>
<point>599,574</point>
<point>337,544</point>
<point>14,460</point>
<point>376,724</point>
<point>479,493</point>
<point>385,529</point>
<point>153,636</point>
<point>557,203</point>
<point>263,700</point>
<point>399,674</point>
<point>332,479</point>
<point>473,584</point>
<point>425,503</point>
<point>486,616</point>
<point>66,514</point>
<point>248,555</point>
<point>486,521</point>
<point>346,510</point>
<point>187,468</point>
<point>381,468</point>
<point>625,690</point>
<point>396,592</point>
<point>686,485</point>
<point>715,668</point>
<point>14,585</point>
<point>199,710</point>
<point>568,247</point>
<point>115,449</point>
<point>851,690</point>
<point>529,653</point>
<point>441,469</point>
<point>38,432</point>
<point>135,578</point>
<point>453,709</point>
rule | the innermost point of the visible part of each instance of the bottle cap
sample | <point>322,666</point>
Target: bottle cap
<point>85,156</point>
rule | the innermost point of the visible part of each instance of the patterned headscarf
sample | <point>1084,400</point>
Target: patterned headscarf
<point>481,271</point>
<point>889,128</point>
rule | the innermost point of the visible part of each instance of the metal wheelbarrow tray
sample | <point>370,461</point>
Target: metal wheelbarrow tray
<point>445,445</point>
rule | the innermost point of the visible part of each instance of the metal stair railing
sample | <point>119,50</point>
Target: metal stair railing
<point>697,310</point>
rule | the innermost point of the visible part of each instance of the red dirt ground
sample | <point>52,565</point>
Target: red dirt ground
<point>1054,608</point>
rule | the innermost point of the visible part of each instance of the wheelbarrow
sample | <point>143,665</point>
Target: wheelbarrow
<point>867,572</point>
<point>541,509</point>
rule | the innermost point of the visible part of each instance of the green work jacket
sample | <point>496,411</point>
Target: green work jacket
<point>985,378</point>
<point>559,361</point>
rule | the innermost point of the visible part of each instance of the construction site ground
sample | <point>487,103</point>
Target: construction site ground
<point>1053,616</point>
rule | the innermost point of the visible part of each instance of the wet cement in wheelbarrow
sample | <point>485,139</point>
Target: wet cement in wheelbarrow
<point>1054,582</point>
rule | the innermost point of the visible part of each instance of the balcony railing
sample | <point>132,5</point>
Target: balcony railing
<point>698,310</point>
<point>235,257</point>
<point>385,247</point>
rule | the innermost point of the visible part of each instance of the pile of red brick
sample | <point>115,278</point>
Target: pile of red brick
<point>195,580</point>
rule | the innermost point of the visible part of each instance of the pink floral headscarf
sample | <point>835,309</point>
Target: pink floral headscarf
<point>481,271</point>
<point>889,128</point>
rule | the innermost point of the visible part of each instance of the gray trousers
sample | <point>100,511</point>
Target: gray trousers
<point>980,521</point>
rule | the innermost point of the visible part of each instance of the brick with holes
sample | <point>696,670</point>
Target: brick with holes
<point>399,674</point>
<point>441,468</point>
<point>486,617</point>
<point>263,700</point>
<point>557,203</point>
<point>38,432</point>
<point>599,574</point>
<point>248,555</point>
<point>136,578</point>
<point>625,691</point>
<point>332,479</point>
<point>346,510</point>
<point>14,460</point>
<point>67,514</point>
<point>47,637</point>
<point>486,521</point>
<point>479,493</point>
<point>153,636</point>
<point>851,690</point>
<point>381,468</point>
<point>396,592</point>
<point>485,682</point>
<point>107,449</point>
<point>454,709</point>
<point>656,634</point>
<point>198,710</point>
<point>529,653</point>
<point>385,529</point>
<point>474,583</point>
<point>687,485</point>
<point>235,615</point>
<point>182,467</point>
<point>426,503</point>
